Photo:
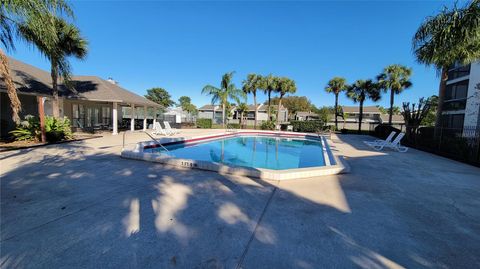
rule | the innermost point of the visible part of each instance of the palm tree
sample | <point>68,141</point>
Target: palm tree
<point>250,85</point>
<point>227,90</point>
<point>359,92</point>
<point>12,14</point>
<point>395,78</point>
<point>335,86</point>
<point>65,42</point>
<point>449,38</point>
<point>241,109</point>
<point>285,85</point>
<point>269,84</point>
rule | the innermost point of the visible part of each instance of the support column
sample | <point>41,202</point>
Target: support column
<point>114,119</point>
<point>154,117</point>
<point>132,119</point>
<point>41,115</point>
<point>144,118</point>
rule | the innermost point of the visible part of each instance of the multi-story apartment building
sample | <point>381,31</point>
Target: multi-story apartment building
<point>461,105</point>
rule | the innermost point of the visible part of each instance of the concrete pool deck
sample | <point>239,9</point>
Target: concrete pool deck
<point>79,205</point>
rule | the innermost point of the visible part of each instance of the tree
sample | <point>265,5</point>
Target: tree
<point>269,84</point>
<point>335,86</point>
<point>160,96</point>
<point>251,85</point>
<point>359,92</point>
<point>449,38</point>
<point>183,100</point>
<point>227,90</point>
<point>394,78</point>
<point>64,42</point>
<point>12,14</point>
<point>241,109</point>
<point>396,110</point>
<point>414,116</point>
<point>285,86</point>
<point>325,113</point>
<point>429,119</point>
<point>186,105</point>
<point>294,103</point>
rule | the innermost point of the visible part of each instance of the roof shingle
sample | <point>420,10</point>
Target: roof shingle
<point>31,80</point>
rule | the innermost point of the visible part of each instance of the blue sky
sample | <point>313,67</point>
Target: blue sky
<point>182,46</point>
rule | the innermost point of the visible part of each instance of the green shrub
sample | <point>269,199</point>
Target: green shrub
<point>234,126</point>
<point>55,129</point>
<point>310,126</point>
<point>204,123</point>
<point>268,125</point>
<point>28,130</point>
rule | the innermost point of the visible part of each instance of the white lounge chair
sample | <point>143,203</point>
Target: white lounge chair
<point>169,129</point>
<point>379,142</point>
<point>158,130</point>
<point>395,144</point>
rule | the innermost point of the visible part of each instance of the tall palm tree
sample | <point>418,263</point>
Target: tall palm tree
<point>12,14</point>
<point>359,92</point>
<point>250,85</point>
<point>335,86</point>
<point>227,90</point>
<point>451,37</point>
<point>68,42</point>
<point>285,86</point>
<point>395,78</point>
<point>269,84</point>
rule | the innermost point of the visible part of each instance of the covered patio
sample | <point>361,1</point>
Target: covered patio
<point>92,104</point>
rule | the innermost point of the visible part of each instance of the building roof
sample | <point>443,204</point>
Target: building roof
<point>261,107</point>
<point>32,80</point>
<point>265,107</point>
<point>209,107</point>
<point>356,109</point>
<point>305,114</point>
<point>395,118</point>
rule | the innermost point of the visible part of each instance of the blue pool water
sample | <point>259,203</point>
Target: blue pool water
<point>258,152</point>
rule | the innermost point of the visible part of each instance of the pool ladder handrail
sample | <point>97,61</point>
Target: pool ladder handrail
<point>145,132</point>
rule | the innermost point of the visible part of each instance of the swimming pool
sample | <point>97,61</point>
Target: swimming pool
<point>252,151</point>
<point>261,154</point>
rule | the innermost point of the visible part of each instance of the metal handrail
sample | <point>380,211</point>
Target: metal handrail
<point>153,138</point>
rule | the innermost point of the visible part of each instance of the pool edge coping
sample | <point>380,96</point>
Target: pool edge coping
<point>339,167</point>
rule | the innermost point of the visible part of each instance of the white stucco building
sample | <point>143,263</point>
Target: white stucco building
<point>461,106</point>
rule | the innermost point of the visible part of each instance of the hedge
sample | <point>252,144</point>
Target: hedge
<point>310,126</point>
<point>204,123</point>
<point>234,126</point>
<point>382,131</point>
<point>268,125</point>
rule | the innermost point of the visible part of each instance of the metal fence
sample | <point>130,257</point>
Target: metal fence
<point>462,144</point>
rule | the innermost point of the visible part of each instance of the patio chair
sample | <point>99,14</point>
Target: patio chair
<point>379,142</point>
<point>169,129</point>
<point>395,144</point>
<point>158,130</point>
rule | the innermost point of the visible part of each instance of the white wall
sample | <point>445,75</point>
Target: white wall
<point>205,114</point>
<point>472,109</point>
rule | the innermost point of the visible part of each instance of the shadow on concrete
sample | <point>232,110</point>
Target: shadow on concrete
<point>98,210</point>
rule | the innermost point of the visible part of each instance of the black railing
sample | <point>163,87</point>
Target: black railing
<point>461,144</point>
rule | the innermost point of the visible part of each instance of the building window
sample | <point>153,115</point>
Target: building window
<point>454,105</point>
<point>457,90</point>
<point>453,121</point>
<point>458,72</point>
<point>106,115</point>
<point>78,116</point>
